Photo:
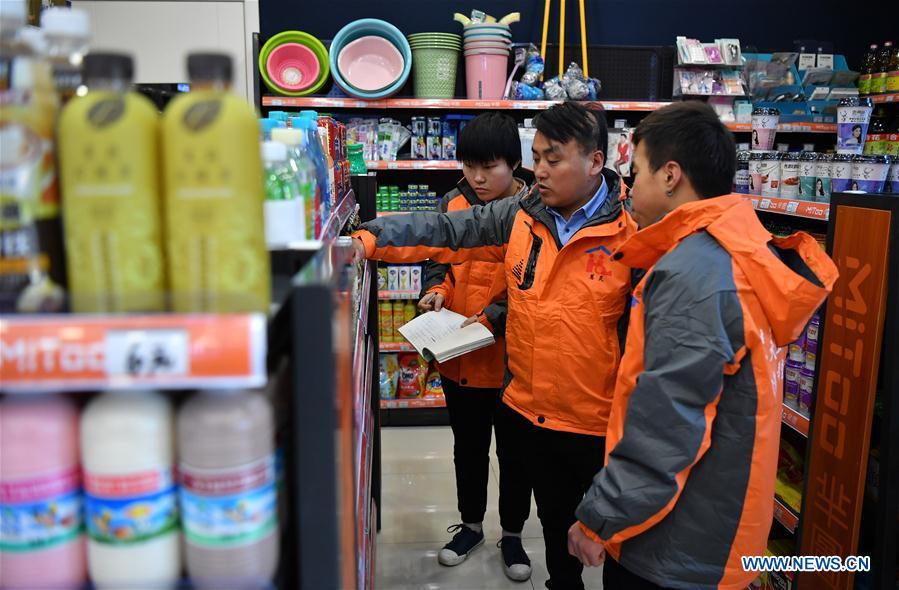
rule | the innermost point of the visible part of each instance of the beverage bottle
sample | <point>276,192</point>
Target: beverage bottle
<point>303,167</point>
<point>881,67</point>
<point>308,124</point>
<point>217,258</point>
<point>284,215</point>
<point>893,70</point>
<point>66,38</point>
<point>109,166</point>
<point>867,71</point>
<point>41,537</point>
<point>227,495</point>
<point>399,320</point>
<point>876,140</point>
<point>31,250</point>
<point>408,312</point>
<point>385,321</point>
<point>324,163</point>
<point>127,450</point>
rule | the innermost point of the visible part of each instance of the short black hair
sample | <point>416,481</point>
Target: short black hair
<point>691,134</point>
<point>570,120</point>
<point>488,137</point>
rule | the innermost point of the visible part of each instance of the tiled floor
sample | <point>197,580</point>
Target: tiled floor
<point>419,502</point>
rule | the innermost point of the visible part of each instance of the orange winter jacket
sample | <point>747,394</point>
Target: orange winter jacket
<point>691,453</point>
<point>473,288</point>
<point>566,304</point>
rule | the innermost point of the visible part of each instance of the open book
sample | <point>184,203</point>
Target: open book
<point>439,335</point>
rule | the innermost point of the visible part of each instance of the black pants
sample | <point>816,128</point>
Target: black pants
<point>473,417</point>
<point>563,465</point>
<point>617,577</point>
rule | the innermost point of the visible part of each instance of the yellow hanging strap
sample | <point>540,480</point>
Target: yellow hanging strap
<point>562,38</point>
<point>545,30</point>
<point>584,39</point>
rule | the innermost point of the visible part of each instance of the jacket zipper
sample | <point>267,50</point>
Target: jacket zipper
<point>530,270</point>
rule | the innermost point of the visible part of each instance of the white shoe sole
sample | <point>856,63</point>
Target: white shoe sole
<point>450,559</point>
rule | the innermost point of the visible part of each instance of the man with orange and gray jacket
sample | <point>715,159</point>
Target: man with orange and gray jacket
<point>567,299</point>
<point>688,483</point>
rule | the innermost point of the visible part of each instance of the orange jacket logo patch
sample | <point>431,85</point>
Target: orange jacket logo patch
<point>596,263</point>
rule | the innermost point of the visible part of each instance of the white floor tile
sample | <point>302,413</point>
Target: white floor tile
<point>536,551</point>
<point>407,566</point>
<point>417,450</point>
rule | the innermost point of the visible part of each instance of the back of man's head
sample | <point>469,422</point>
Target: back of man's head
<point>691,134</point>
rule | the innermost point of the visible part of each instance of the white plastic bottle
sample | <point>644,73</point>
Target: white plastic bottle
<point>127,451</point>
<point>228,490</point>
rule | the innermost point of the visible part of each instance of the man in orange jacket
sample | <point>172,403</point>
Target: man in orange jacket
<point>567,300</point>
<point>688,483</point>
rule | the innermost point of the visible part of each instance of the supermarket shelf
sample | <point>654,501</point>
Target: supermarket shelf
<point>413,165</point>
<point>789,127</point>
<point>796,208</point>
<point>396,347</point>
<point>398,294</point>
<point>795,420</point>
<point>166,351</point>
<point>882,98</point>
<point>785,515</point>
<point>336,221</point>
<point>360,347</point>
<point>414,103</point>
<point>403,404</point>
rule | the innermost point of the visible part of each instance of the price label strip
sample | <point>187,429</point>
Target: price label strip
<point>77,353</point>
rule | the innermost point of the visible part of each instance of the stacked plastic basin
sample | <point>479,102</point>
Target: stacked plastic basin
<point>487,49</point>
<point>294,63</point>
<point>436,56</point>
<point>370,53</point>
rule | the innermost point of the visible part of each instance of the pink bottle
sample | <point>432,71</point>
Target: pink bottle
<point>41,539</point>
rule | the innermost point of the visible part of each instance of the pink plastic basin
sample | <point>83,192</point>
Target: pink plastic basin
<point>370,63</point>
<point>293,67</point>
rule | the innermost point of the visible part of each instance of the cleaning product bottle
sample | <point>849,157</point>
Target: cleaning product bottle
<point>32,270</point>
<point>109,154</point>
<point>127,450</point>
<point>227,494</point>
<point>284,216</point>
<point>214,196</point>
<point>304,168</point>
<point>399,320</point>
<point>66,38</point>
<point>41,535</point>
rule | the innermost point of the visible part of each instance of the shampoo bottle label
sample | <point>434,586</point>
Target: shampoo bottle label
<point>130,508</point>
<point>228,508</point>
<point>40,512</point>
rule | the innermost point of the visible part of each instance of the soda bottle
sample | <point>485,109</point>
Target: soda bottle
<point>881,67</point>
<point>864,81</point>
<point>284,216</point>
<point>303,168</point>
<point>893,71</point>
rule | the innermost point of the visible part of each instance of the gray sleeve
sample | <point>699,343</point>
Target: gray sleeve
<point>496,314</point>
<point>688,341</point>
<point>434,272</point>
<point>477,233</point>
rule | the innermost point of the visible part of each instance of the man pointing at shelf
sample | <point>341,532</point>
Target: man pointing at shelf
<point>566,311</point>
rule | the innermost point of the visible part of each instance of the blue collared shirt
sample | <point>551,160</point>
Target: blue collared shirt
<point>567,229</point>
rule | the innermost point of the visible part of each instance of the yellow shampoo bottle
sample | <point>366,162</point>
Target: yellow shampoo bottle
<point>214,195</point>
<point>109,155</point>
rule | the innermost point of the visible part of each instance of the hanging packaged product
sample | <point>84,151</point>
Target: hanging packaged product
<point>217,258</point>
<point>227,494</point>
<point>32,271</point>
<point>127,450</point>
<point>109,166</point>
<point>41,537</point>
